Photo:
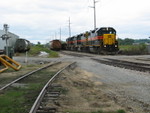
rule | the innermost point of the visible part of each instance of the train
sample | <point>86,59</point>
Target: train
<point>100,40</point>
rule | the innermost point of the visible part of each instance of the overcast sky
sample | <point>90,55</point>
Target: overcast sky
<point>41,20</point>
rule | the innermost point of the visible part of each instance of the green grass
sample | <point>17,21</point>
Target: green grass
<point>11,102</point>
<point>133,49</point>
<point>20,99</point>
<point>35,50</point>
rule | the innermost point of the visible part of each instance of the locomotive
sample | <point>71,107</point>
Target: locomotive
<point>100,40</point>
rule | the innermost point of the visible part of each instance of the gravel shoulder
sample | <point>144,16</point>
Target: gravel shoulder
<point>82,94</point>
<point>128,88</point>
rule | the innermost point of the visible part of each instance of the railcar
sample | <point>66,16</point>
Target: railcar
<point>22,45</point>
<point>100,40</point>
<point>55,45</point>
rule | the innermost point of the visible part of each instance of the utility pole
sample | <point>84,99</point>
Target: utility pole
<point>60,33</point>
<point>69,28</point>
<point>6,37</point>
<point>94,7</point>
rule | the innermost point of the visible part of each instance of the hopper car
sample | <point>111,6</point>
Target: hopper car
<point>55,45</point>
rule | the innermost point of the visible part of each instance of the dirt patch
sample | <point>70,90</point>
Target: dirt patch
<point>82,94</point>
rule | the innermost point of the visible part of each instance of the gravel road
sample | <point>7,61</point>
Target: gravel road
<point>129,88</point>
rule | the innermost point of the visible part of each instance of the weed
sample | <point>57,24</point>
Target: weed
<point>121,111</point>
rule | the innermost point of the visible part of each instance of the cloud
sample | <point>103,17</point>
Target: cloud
<point>41,19</point>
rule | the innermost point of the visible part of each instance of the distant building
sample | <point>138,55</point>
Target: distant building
<point>11,40</point>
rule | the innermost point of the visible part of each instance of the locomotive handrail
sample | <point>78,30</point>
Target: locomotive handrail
<point>5,60</point>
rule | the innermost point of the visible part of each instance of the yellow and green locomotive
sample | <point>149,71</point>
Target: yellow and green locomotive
<point>101,40</point>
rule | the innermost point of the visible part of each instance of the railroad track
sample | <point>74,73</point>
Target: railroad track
<point>26,75</point>
<point>75,54</point>
<point>22,92</point>
<point>49,92</point>
<point>125,64</point>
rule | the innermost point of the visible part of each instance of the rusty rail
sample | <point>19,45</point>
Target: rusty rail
<point>44,90</point>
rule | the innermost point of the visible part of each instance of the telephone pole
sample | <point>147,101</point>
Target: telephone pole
<point>60,33</point>
<point>94,7</point>
<point>6,37</point>
<point>69,28</point>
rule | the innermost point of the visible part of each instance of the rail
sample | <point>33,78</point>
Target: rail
<point>26,75</point>
<point>125,64</point>
<point>43,91</point>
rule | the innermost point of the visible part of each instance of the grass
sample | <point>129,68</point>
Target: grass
<point>20,99</point>
<point>35,51</point>
<point>133,49</point>
<point>11,102</point>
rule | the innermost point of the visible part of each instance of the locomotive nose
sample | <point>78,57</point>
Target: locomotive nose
<point>109,39</point>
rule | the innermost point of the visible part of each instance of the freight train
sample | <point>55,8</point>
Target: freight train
<point>101,40</point>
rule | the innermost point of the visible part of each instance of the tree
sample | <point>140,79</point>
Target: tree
<point>126,41</point>
<point>38,43</point>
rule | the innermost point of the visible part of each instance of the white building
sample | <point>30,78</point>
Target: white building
<point>11,40</point>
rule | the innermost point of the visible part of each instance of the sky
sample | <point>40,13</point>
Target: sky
<point>41,20</point>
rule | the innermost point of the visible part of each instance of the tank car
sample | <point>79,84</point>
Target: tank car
<point>22,45</point>
<point>100,40</point>
<point>55,45</point>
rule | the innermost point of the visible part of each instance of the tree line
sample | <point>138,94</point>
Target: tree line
<point>128,41</point>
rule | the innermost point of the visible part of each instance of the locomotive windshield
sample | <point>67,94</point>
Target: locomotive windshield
<point>106,31</point>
